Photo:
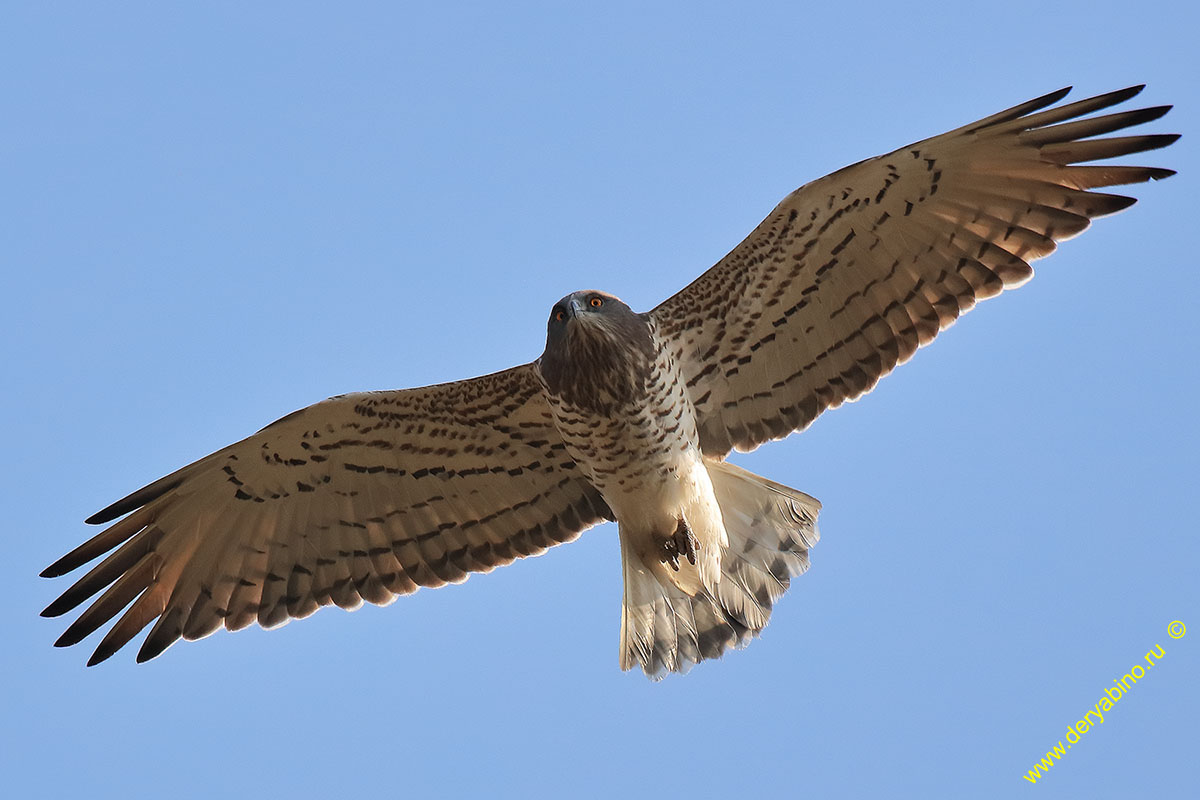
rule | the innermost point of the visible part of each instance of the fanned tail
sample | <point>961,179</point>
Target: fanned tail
<point>770,529</point>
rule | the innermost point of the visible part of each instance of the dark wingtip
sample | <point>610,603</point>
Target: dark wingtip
<point>1151,114</point>
<point>106,514</point>
<point>1114,203</point>
<point>136,500</point>
<point>56,609</point>
<point>145,655</point>
<point>69,638</point>
<point>64,565</point>
<point>102,653</point>
<point>1157,141</point>
<point>1159,173</point>
<point>1124,201</point>
<point>1050,98</point>
<point>165,633</point>
<point>1118,96</point>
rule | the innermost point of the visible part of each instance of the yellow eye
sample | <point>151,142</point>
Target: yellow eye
<point>596,302</point>
<point>559,316</point>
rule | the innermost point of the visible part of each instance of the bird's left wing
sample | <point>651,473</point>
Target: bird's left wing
<point>851,273</point>
<point>360,497</point>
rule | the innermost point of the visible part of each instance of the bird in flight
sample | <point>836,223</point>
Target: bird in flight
<point>625,416</point>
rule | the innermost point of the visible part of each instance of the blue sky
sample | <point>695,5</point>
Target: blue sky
<point>213,216</point>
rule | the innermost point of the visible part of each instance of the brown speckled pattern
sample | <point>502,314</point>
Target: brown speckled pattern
<point>368,496</point>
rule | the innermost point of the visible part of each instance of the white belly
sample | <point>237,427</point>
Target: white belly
<point>644,458</point>
<point>656,501</point>
<point>651,489</point>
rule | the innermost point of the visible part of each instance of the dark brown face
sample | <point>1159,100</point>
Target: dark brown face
<point>598,351</point>
<point>588,308</point>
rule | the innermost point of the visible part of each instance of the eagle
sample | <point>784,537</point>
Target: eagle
<point>625,416</point>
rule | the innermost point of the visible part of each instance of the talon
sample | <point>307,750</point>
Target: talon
<point>681,543</point>
<point>670,553</point>
<point>685,541</point>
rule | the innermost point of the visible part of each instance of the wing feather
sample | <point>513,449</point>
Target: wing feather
<point>852,273</point>
<point>363,497</point>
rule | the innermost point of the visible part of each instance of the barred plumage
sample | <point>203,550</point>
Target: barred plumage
<point>625,416</point>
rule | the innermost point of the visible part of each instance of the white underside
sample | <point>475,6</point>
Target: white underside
<point>651,512</point>
<point>754,536</point>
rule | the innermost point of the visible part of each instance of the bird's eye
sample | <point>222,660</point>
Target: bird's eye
<point>596,302</point>
<point>559,316</point>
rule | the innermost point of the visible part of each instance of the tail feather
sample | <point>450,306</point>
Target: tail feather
<point>769,527</point>
<point>658,631</point>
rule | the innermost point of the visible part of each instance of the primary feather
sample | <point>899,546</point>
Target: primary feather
<point>365,497</point>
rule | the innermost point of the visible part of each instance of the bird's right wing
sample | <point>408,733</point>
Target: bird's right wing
<point>360,497</point>
<point>851,273</point>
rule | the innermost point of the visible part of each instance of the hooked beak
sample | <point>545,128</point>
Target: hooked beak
<point>575,307</point>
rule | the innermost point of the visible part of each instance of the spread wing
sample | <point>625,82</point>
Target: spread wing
<point>850,274</point>
<point>360,497</point>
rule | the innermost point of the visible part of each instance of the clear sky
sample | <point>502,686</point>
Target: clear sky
<point>213,216</point>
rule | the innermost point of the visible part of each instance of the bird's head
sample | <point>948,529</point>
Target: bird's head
<point>595,333</point>
<point>584,312</point>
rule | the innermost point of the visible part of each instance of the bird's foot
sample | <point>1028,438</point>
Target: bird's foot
<point>682,543</point>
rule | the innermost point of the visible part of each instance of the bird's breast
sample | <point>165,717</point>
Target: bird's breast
<point>640,452</point>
